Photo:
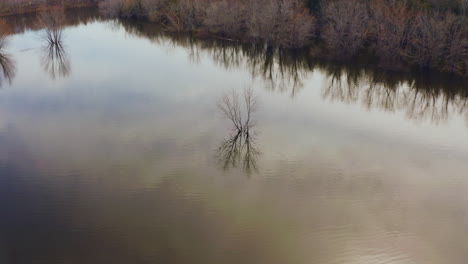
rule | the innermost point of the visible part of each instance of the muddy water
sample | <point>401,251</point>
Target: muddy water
<point>115,149</point>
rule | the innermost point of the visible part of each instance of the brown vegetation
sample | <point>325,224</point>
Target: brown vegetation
<point>399,34</point>
<point>9,7</point>
<point>346,27</point>
<point>7,65</point>
<point>4,30</point>
<point>54,60</point>
<point>239,149</point>
<point>439,41</point>
<point>285,23</point>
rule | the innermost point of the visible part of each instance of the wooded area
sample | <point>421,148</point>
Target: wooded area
<point>400,34</point>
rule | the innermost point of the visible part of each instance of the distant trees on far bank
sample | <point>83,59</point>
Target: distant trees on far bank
<point>285,23</point>
<point>399,34</point>
<point>11,7</point>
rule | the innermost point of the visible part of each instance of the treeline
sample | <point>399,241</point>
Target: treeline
<point>434,97</point>
<point>286,23</point>
<point>13,7</point>
<point>399,34</point>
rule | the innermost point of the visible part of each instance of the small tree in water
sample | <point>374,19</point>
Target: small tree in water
<point>239,148</point>
<point>7,65</point>
<point>55,60</point>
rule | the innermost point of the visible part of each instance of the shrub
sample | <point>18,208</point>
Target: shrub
<point>346,27</point>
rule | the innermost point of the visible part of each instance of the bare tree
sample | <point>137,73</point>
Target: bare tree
<point>54,60</point>
<point>285,23</point>
<point>427,100</point>
<point>239,148</point>
<point>3,34</point>
<point>391,22</point>
<point>231,109</point>
<point>228,24</point>
<point>8,69</point>
<point>346,27</point>
<point>439,41</point>
<point>110,8</point>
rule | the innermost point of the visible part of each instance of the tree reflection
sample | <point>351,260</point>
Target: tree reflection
<point>430,97</point>
<point>6,63</point>
<point>281,70</point>
<point>239,149</point>
<point>420,95</point>
<point>54,59</point>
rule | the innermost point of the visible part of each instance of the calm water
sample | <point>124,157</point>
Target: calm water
<point>114,150</point>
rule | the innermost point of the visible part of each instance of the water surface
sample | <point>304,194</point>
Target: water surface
<point>112,152</point>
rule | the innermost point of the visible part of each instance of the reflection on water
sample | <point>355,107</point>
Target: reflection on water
<point>427,99</point>
<point>8,68</point>
<point>129,162</point>
<point>6,62</point>
<point>422,96</point>
<point>239,149</point>
<point>429,96</point>
<point>54,59</point>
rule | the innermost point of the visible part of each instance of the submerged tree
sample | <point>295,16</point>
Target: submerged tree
<point>55,60</point>
<point>239,149</point>
<point>7,65</point>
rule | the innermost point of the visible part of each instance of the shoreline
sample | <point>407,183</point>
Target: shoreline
<point>318,46</point>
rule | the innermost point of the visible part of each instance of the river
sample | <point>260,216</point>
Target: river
<point>115,147</point>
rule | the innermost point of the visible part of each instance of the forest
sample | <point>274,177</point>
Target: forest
<point>398,35</point>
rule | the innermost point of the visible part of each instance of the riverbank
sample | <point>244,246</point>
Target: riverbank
<point>20,7</point>
<point>400,36</point>
<point>395,36</point>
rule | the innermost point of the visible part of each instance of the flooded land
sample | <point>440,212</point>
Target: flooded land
<point>120,143</point>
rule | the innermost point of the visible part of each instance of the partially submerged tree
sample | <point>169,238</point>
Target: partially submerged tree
<point>7,65</point>
<point>239,149</point>
<point>54,60</point>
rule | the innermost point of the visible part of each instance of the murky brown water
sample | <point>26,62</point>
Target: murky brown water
<point>115,151</point>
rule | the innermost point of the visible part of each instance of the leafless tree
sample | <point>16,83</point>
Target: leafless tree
<point>390,24</point>
<point>239,148</point>
<point>7,65</point>
<point>110,8</point>
<point>346,27</point>
<point>227,24</point>
<point>439,41</point>
<point>230,106</point>
<point>418,100</point>
<point>285,23</point>
<point>3,42</point>
<point>54,60</point>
